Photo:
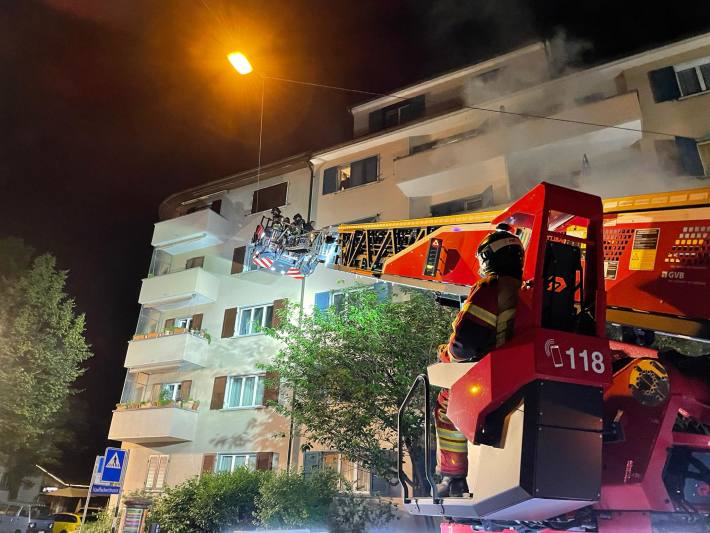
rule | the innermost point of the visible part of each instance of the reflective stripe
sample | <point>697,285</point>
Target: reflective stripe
<point>451,434</point>
<point>480,313</point>
<point>453,447</point>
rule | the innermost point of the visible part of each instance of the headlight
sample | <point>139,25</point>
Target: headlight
<point>32,525</point>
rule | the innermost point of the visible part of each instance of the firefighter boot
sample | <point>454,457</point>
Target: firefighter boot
<point>452,487</point>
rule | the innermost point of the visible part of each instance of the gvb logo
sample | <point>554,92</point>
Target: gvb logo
<point>673,274</point>
<point>552,350</point>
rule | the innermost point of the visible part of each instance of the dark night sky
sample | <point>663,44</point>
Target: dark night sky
<point>107,107</point>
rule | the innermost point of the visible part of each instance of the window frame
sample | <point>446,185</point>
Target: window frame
<point>175,387</point>
<point>264,315</point>
<point>248,457</point>
<point>695,64</point>
<point>259,386</point>
<point>705,163</point>
<point>268,209</point>
<point>357,469</point>
<point>339,169</point>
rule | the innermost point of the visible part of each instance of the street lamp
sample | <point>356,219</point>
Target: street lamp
<point>240,63</point>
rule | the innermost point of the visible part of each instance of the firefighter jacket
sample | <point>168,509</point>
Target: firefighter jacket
<point>486,319</point>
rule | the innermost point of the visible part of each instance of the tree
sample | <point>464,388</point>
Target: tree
<point>351,368</point>
<point>42,346</point>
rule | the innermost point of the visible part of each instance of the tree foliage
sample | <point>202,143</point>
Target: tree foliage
<point>209,503</point>
<point>351,368</point>
<point>42,346</point>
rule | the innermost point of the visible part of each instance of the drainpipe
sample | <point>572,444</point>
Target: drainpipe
<point>300,316</point>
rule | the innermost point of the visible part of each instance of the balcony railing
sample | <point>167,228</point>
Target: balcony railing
<point>153,422</point>
<point>194,286</point>
<point>200,229</point>
<point>172,348</point>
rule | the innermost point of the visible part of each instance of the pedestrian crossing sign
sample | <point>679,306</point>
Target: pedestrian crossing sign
<point>114,467</point>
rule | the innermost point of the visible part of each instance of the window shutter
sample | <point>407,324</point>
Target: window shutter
<point>330,180</point>
<point>196,323</point>
<point>264,460</point>
<point>664,84</point>
<point>208,462</point>
<point>238,259</point>
<point>220,385</point>
<point>278,310</point>
<point>155,392</point>
<point>185,389</point>
<point>322,301</point>
<point>312,461</point>
<point>382,289</point>
<point>376,120</point>
<point>271,387</point>
<point>162,471</point>
<point>689,156</point>
<point>230,319</point>
<point>153,463</point>
<point>370,169</point>
<point>357,173</point>
<point>169,324</point>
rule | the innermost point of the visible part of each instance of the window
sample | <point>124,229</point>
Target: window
<point>685,79</point>
<point>704,151</point>
<point>398,113</point>
<point>269,197</point>
<point>170,391</point>
<point>230,462</point>
<point>693,77</point>
<point>195,262</point>
<point>244,391</point>
<point>324,300</point>
<point>353,473</point>
<point>463,205</point>
<point>350,175</point>
<point>157,467</point>
<point>253,319</point>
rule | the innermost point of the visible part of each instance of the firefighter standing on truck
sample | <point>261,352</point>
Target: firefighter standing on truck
<point>484,322</point>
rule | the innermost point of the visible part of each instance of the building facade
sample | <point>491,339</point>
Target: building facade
<point>472,139</point>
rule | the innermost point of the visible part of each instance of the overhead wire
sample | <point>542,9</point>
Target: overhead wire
<point>475,108</point>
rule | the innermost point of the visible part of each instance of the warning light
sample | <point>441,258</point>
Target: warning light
<point>475,389</point>
<point>432,257</point>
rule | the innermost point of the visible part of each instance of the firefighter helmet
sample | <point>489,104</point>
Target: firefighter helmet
<point>501,253</point>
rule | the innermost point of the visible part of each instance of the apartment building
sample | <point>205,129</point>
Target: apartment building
<point>472,139</point>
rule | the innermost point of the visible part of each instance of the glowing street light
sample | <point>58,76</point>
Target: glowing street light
<point>240,63</point>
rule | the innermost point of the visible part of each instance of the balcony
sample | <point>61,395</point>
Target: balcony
<point>147,423</point>
<point>200,229</point>
<point>185,288</point>
<point>154,351</point>
<point>481,157</point>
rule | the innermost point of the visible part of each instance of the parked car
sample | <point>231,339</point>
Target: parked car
<point>68,522</point>
<point>25,518</point>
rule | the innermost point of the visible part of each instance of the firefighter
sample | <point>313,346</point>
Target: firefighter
<point>484,322</point>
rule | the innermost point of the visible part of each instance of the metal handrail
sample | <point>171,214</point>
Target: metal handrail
<point>423,379</point>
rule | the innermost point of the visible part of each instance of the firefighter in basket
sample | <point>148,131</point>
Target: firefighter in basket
<point>484,322</point>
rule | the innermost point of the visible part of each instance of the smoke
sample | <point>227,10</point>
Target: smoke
<point>550,82</point>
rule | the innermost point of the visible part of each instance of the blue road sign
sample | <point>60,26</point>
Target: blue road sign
<point>114,467</point>
<point>101,490</point>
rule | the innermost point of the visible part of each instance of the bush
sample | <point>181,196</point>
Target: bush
<point>209,503</point>
<point>290,499</point>
<point>354,513</point>
<point>102,523</point>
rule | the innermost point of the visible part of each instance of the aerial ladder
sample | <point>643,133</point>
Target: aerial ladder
<point>566,429</point>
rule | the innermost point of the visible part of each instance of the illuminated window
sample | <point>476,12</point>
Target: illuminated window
<point>253,319</point>
<point>351,175</point>
<point>244,391</point>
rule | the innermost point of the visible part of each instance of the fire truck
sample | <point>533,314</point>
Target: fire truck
<point>567,430</point>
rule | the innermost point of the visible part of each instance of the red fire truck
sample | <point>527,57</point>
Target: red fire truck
<point>567,429</point>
